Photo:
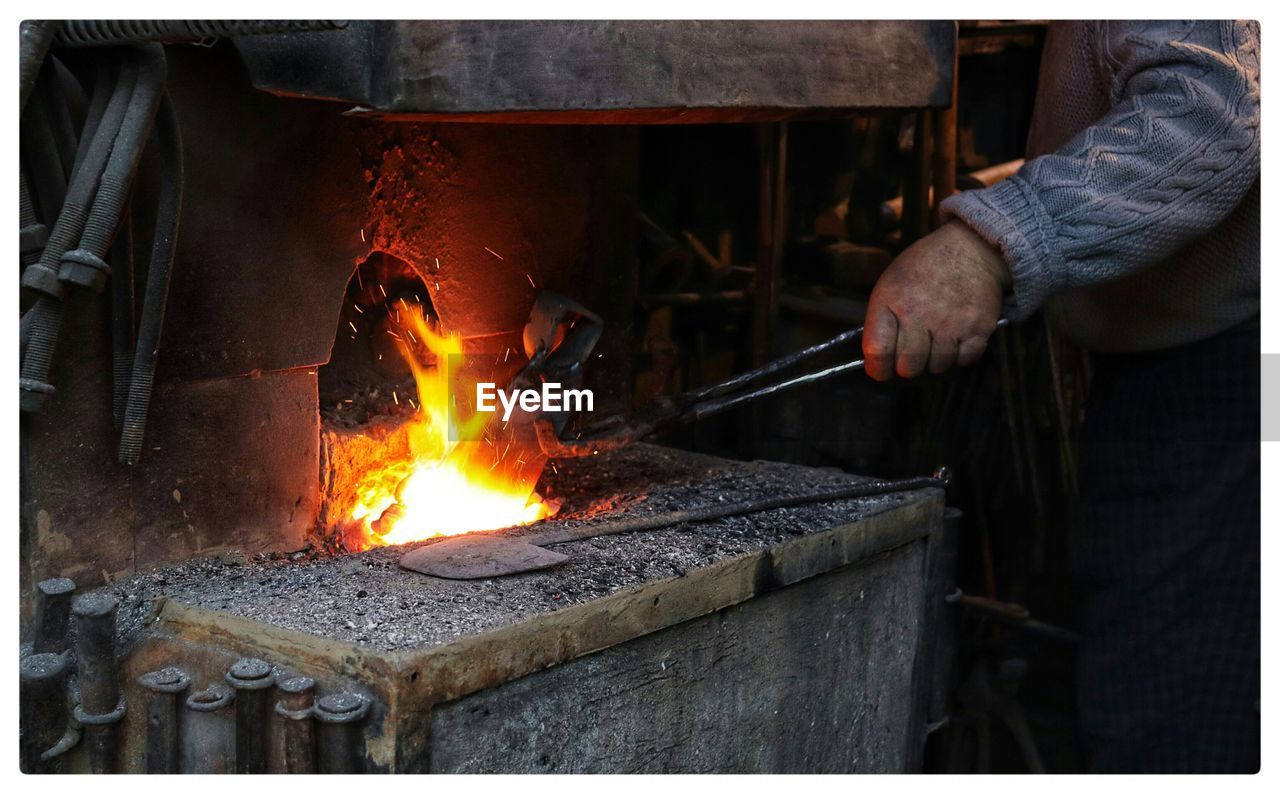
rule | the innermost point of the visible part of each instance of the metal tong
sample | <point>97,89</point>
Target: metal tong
<point>617,431</point>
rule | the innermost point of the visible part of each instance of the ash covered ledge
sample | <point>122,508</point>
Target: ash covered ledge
<point>700,632</point>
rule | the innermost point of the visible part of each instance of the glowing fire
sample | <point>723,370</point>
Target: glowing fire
<point>448,484</point>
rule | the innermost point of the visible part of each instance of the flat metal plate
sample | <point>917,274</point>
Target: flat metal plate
<point>479,557</point>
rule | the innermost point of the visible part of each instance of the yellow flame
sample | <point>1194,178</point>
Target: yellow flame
<point>452,482</point>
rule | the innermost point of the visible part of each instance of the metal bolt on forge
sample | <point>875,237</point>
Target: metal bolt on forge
<point>208,733</point>
<point>295,708</point>
<point>101,702</point>
<point>339,736</point>
<point>42,707</point>
<point>163,687</point>
<point>251,679</point>
<point>52,614</point>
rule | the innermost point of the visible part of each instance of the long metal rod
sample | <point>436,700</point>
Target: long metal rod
<point>772,368</point>
<point>710,408</point>
<point>709,513</point>
<point>714,407</point>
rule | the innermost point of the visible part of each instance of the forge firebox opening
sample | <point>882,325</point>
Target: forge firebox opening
<point>407,458</point>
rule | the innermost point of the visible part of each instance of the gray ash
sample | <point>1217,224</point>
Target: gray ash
<point>367,599</point>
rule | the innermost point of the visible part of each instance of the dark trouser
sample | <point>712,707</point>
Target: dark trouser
<point>1167,561</point>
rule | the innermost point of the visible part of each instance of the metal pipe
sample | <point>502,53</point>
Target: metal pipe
<point>52,613</point>
<point>339,747</point>
<point>297,697</point>
<point>163,687</point>
<point>42,709</point>
<point>208,732</point>
<point>251,678</point>
<point>101,702</point>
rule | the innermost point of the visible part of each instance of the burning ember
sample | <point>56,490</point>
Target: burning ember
<point>457,477</point>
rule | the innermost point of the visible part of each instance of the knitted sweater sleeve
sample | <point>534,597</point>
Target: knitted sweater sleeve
<point>1173,157</point>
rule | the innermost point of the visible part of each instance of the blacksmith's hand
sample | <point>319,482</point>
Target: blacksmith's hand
<point>935,305</point>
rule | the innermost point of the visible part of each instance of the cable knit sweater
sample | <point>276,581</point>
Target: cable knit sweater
<point>1135,220</point>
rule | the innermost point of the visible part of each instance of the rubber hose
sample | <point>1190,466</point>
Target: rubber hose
<point>106,218</point>
<point>121,319</point>
<point>35,37</point>
<point>84,183</point>
<point>103,83</point>
<point>55,104</point>
<point>102,32</point>
<point>46,315</point>
<point>122,166</point>
<point>31,234</point>
<point>157,291</point>
<point>29,224</point>
<point>48,179</point>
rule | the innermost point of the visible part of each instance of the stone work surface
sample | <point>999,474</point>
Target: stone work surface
<point>367,599</point>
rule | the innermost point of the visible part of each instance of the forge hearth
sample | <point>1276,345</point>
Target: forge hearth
<point>471,168</point>
<point>811,623</point>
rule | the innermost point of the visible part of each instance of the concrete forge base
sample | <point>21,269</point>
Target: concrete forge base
<point>807,647</point>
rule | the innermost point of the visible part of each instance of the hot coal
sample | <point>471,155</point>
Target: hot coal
<point>368,599</point>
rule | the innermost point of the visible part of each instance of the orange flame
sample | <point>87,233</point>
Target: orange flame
<point>457,478</point>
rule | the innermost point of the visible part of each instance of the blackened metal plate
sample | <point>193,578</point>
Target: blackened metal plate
<point>479,557</point>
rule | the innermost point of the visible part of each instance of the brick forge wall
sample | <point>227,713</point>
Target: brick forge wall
<point>283,198</point>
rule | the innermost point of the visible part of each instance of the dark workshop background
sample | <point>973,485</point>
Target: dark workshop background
<point>1006,427</point>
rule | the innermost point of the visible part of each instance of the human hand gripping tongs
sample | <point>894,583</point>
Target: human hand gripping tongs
<point>561,335</point>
